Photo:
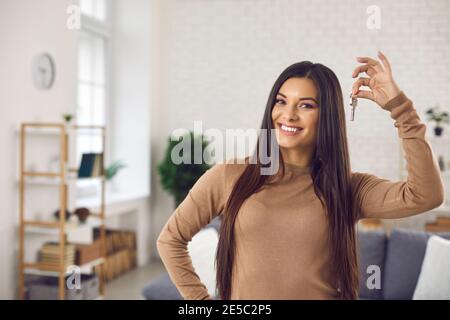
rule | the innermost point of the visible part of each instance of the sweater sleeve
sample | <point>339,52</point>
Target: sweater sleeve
<point>422,191</point>
<point>205,200</point>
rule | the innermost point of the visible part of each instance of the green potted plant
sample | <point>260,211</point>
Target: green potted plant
<point>113,169</point>
<point>178,179</point>
<point>68,117</point>
<point>439,117</point>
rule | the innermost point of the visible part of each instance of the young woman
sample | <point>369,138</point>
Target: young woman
<point>292,235</point>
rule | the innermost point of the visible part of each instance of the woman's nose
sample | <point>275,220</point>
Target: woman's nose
<point>290,114</point>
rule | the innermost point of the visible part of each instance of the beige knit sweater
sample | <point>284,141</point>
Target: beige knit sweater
<point>282,251</point>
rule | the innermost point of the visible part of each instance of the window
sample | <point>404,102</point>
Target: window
<point>95,9</point>
<point>92,93</point>
<point>91,89</point>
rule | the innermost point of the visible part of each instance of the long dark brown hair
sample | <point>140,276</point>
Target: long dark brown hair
<point>330,173</point>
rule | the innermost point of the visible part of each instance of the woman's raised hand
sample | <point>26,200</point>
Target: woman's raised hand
<point>380,81</point>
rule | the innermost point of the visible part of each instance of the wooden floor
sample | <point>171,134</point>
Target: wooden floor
<point>129,286</point>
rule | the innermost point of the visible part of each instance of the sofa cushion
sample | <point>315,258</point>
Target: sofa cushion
<point>371,252</point>
<point>434,279</point>
<point>404,257</point>
<point>202,250</point>
<point>215,223</point>
<point>161,288</point>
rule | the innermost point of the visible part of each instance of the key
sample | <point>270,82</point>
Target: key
<point>353,104</point>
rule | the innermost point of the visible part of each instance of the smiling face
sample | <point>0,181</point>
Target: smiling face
<point>295,117</point>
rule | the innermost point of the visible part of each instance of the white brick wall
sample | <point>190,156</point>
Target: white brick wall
<point>226,54</point>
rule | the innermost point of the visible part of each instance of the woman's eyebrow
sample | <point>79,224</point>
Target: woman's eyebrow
<point>303,98</point>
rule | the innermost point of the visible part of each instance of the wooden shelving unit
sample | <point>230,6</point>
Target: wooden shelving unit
<point>59,179</point>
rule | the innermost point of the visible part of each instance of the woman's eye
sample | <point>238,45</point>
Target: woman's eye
<point>308,106</point>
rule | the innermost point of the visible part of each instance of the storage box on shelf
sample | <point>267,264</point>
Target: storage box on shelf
<point>86,253</point>
<point>121,253</point>
<point>53,260</point>
<point>46,288</point>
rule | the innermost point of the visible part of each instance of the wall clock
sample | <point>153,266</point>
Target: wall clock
<point>43,71</point>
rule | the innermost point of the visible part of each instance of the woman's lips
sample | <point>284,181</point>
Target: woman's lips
<point>287,130</point>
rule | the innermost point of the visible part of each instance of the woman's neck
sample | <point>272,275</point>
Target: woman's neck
<point>299,158</point>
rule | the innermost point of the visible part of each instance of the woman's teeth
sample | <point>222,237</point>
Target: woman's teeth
<point>290,129</point>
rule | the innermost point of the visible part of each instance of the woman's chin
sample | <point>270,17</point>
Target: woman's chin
<point>289,144</point>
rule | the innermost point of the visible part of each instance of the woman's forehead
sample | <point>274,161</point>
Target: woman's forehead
<point>297,88</point>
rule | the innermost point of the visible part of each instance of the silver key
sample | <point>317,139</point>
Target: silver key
<point>353,105</point>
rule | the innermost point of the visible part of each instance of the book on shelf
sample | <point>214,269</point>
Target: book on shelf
<point>97,170</point>
<point>443,221</point>
<point>441,224</point>
<point>49,256</point>
<point>91,165</point>
<point>54,256</point>
<point>54,247</point>
<point>67,261</point>
<point>434,227</point>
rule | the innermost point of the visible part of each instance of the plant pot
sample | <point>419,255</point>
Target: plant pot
<point>82,214</point>
<point>67,214</point>
<point>438,131</point>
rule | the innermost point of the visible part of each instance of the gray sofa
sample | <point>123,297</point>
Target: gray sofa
<point>398,256</point>
<point>162,288</point>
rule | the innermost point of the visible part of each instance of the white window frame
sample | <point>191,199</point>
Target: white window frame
<point>101,29</point>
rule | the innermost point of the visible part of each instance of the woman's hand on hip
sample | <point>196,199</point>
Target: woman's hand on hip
<point>380,81</point>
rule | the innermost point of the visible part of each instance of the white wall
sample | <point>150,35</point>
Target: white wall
<point>162,204</point>
<point>27,28</point>
<point>130,102</point>
<point>223,56</point>
<point>130,93</point>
